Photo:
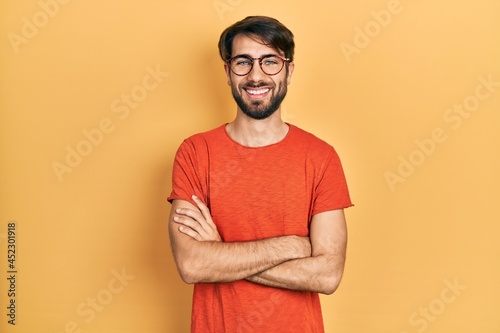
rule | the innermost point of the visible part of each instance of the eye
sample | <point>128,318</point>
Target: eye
<point>270,61</point>
<point>242,62</point>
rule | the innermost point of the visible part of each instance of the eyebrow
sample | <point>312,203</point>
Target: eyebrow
<point>249,56</point>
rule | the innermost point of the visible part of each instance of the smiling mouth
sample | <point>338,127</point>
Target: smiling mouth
<point>257,93</point>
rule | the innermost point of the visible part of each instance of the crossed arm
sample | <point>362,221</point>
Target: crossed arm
<point>314,263</point>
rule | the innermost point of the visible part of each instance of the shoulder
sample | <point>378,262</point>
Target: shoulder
<point>203,137</point>
<point>203,140</point>
<point>309,141</point>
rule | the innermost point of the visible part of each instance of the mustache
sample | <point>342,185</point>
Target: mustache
<point>257,85</point>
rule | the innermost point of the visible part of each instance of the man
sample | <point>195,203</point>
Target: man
<point>257,220</point>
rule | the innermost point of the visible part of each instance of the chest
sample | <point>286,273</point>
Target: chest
<point>254,196</point>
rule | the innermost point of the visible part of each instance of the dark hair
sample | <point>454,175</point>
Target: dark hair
<point>269,30</point>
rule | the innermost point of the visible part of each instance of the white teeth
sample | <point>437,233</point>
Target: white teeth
<point>257,92</point>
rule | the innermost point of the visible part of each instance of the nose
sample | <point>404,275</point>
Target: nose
<point>256,74</point>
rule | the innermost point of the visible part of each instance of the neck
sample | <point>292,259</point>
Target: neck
<point>257,133</point>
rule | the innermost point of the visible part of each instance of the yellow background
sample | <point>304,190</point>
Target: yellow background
<point>410,239</point>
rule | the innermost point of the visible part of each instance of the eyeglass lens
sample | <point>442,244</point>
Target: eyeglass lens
<point>271,65</point>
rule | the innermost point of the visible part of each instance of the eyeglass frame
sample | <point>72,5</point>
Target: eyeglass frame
<point>285,60</point>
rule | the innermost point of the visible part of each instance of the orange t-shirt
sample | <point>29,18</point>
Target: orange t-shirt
<point>252,194</point>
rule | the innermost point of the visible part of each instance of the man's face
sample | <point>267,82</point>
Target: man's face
<point>257,94</point>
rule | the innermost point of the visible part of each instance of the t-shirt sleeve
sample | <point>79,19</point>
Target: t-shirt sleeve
<point>331,190</point>
<point>187,178</point>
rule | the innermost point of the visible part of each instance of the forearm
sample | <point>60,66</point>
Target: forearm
<point>205,262</point>
<point>316,274</point>
<point>202,257</point>
<point>322,271</point>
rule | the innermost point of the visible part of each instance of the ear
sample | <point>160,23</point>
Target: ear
<point>228,73</point>
<point>291,67</point>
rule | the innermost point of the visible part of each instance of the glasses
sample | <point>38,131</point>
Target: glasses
<point>270,64</point>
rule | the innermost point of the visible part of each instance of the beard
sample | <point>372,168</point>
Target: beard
<point>259,109</point>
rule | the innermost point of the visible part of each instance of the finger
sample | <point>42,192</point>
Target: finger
<point>194,230</point>
<point>191,224</point>
<point>189,232</point>
<point>203,208</point>
<point>194,214</point>
<point>204,211</point>
<point>197,218</point>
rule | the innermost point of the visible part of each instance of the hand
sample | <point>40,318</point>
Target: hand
<point>197,224</point>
